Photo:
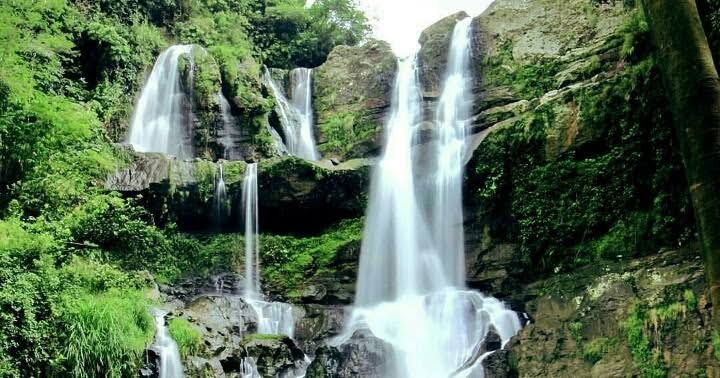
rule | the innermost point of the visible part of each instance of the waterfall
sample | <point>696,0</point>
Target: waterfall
<point>296,113</point>
<point>170,363</point>
<point>410,289</point>
<point>274,318</point>
<point>252,247</point>
<point>161,119</point>
<point>453,114</point>
<point>248,368</point>
<point>220,200</point>
<point>393,262</point>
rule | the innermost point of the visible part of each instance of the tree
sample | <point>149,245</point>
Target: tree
<point>691,82</point>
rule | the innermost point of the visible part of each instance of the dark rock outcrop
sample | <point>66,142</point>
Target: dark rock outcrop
<point>581,320</point>
<point>293,191</point>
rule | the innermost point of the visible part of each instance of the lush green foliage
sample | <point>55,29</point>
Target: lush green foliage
<point>186,335</point>
<point>54,307</point>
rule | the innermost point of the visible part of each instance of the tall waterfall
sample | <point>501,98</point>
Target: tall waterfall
<point>252,248</point>
<point>453,114</point>
<point>161,119</point>
<point>393,261</point>
<point>170,363</point>
<point>410,290</point>
<point>296,113</point>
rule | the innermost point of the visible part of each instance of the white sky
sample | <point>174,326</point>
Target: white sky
<point>400,22</point>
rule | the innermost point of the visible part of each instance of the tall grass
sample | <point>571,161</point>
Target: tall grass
<point>107,333</point>
<point>186,335</point>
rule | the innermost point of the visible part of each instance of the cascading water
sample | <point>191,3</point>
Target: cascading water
<point>248,368</point>
<point>161,119</point>
<point>274,318</point>
<point>410,284</point>
<point>296,114</point>
<point>170,363</point>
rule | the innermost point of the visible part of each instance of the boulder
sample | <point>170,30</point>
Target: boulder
<point>223,322</point>
<point>352,94</point>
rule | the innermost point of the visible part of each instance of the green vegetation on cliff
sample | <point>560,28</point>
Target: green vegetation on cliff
<point>73,258</point>
<point>599,178</point>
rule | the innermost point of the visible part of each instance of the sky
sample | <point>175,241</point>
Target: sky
<point>400,22</point>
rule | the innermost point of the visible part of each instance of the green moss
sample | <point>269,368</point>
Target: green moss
<point>716,345</point>
<point>528,79</point>
<point>647,360</point>
<point>690,299</point>
<point>596,349</point>
<point>343,131</point>
<point>550,202</point>
<point>186,335</point>
<point>261,337</point>
<point>290,262</point>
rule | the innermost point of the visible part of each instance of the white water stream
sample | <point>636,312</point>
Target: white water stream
<point>410,289</point>
<point>162,117</point>
<point>170,363</point>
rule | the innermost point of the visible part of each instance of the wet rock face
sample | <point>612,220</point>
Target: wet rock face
<point>363,355</point>
<point>352,94</point>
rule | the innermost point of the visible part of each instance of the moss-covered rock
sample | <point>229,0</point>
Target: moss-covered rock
<point>614,320</point>
<point>352,93</point>
<point>201,80</point>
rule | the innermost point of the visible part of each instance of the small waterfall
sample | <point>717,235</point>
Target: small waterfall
<point>248,368</point>
<point>162,117</point>
<point>252,247</point>
<point>410,289</point>
<point>170,363</point>
<point>296,114</point>
<point>274,318</point>
<point>220,200</point>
